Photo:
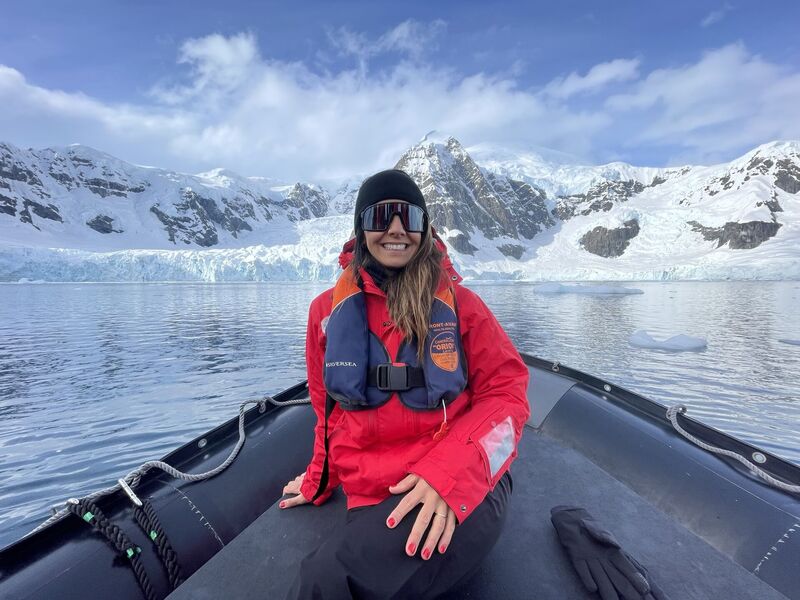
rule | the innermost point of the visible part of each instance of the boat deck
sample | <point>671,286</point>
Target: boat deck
<point>527,562</point>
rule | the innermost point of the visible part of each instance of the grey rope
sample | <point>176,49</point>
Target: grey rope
<point>134,477</point>
<point>672,415</point>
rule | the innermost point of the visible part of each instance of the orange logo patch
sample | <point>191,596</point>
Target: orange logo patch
<point>443,351</point>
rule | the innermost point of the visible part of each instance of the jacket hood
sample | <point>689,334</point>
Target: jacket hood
<point>348,251</point>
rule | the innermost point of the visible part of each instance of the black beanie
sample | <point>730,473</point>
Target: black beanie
<point>392,184</point>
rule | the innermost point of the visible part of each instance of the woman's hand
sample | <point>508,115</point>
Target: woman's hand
<point>434,512</point>
<point>293,487</point>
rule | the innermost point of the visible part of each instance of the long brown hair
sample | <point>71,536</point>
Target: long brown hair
<point>410,292</point>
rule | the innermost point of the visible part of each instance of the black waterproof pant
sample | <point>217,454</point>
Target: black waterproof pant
<point>364,559</point>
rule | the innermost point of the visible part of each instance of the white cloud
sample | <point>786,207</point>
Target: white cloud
<point>57,117</point>
<point>728,100</point>
<point>598,77</point>
<point>230,107</point>
<point>218,65</point>
<point>411,39</point>
<point>280,119</point>
<point>715,16</point>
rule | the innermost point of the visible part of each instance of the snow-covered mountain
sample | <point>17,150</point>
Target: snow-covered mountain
<point>75,213</point>
<point>77,197</point>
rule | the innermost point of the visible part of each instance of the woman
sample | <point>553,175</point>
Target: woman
<point>420,436</point>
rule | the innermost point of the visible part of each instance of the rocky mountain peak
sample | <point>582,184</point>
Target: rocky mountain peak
<point>464,200</point>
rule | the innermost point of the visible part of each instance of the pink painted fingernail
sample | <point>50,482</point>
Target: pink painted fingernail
<point>426,554</point>
<point>442,548</point>
<point>412,548</point>
<point>390,522</point>
<point>282,504</point>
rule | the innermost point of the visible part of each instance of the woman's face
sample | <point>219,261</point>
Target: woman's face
<point>394,247</point>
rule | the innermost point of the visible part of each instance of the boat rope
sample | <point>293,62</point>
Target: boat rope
<point>132,479</point>
<point>147,519</point>
<point>672,415</point>
<point>88,511</point>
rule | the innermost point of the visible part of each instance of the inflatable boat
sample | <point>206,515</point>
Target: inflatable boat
<point>708,515</point>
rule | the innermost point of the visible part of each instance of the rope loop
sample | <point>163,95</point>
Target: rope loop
<point>88,511</point>
<point>148,520</point>
<point>672,413</point>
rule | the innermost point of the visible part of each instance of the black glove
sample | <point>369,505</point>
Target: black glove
<point>599,560</point>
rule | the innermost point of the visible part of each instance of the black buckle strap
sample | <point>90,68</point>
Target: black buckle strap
<point>396,378</point>
<point>392,378</point>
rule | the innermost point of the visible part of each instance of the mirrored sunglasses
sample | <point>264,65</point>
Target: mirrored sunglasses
<point>378,216</point>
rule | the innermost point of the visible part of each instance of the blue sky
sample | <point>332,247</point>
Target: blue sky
<point>327,89</point>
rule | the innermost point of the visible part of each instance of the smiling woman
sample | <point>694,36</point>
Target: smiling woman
<point>418,417</point>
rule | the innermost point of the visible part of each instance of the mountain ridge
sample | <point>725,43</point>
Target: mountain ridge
<point>489,207</point>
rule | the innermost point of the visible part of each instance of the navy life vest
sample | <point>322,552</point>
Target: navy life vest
<point>359,373</point>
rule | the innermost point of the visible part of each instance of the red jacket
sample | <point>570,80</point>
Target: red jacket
<point>373,449</point>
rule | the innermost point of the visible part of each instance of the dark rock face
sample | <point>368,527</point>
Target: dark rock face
<point>187,229</point>
<point>772,204</point>
<point>600,197</point>
<point>460,243</point>
<point>64,179</point>
<point>16,171</point>
<point>787,176</point>
<point>786,173</point>
<point>264,204</point>
<point>103,224</point>
<point>725,182</point>
<point>199,216</point>
<point>8,205</point>
<point>610,243</point>
<point>79,161</point>
<point>512,250</point>
<point>527,205</point>
<point>759,164</point>
<point>308,202</point>
<point>232,218</point>
<point>105,188</point>
<point>739,236</point>
<point>45,212</point>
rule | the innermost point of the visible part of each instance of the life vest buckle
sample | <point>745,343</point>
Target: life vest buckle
<point>392,378</point>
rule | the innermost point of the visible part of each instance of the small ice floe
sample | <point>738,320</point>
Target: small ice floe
<point>788,341</point>
<point>558,288</point>
<point>676,343</point>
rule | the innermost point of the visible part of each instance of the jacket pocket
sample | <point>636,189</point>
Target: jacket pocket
<point>496,442</point>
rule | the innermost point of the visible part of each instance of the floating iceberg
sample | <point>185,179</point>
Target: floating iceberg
<point>677,343</point>
<point>558,288</point>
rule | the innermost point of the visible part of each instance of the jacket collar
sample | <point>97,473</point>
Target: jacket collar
<point>348,251</point>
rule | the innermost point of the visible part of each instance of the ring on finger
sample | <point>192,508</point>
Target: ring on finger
<point>440,515</point>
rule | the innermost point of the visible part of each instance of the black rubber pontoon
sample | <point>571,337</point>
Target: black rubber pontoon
<point>703,525</point>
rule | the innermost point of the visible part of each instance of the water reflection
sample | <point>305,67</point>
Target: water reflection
<point>744,383</point>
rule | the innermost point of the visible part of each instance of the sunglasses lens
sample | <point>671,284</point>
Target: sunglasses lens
<point>378,217</point>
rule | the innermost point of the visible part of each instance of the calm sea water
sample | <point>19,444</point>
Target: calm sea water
<point>97,378</point>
